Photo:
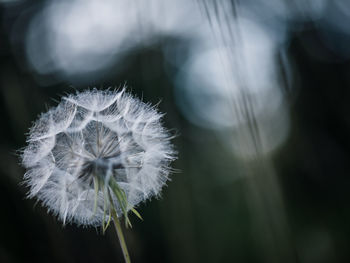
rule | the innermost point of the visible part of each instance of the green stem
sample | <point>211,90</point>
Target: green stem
<point>120,236</point>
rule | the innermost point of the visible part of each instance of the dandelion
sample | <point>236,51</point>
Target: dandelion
<point>97,155</point>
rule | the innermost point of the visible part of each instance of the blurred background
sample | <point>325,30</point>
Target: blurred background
<point>258,91</point>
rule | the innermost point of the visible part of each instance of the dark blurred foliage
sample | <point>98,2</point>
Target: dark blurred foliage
<point>287,205</point>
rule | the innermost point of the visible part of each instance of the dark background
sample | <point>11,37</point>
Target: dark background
<point>268,200</point>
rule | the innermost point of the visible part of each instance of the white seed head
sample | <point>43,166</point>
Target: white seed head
<point>94,150</point>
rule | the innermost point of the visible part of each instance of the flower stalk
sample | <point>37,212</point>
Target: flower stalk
<point>119,231</point>
<point>112,186</point>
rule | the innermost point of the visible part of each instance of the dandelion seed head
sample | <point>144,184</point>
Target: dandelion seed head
<point>93,150</point>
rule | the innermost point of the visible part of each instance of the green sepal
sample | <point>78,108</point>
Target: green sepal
<point>136,213</point>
